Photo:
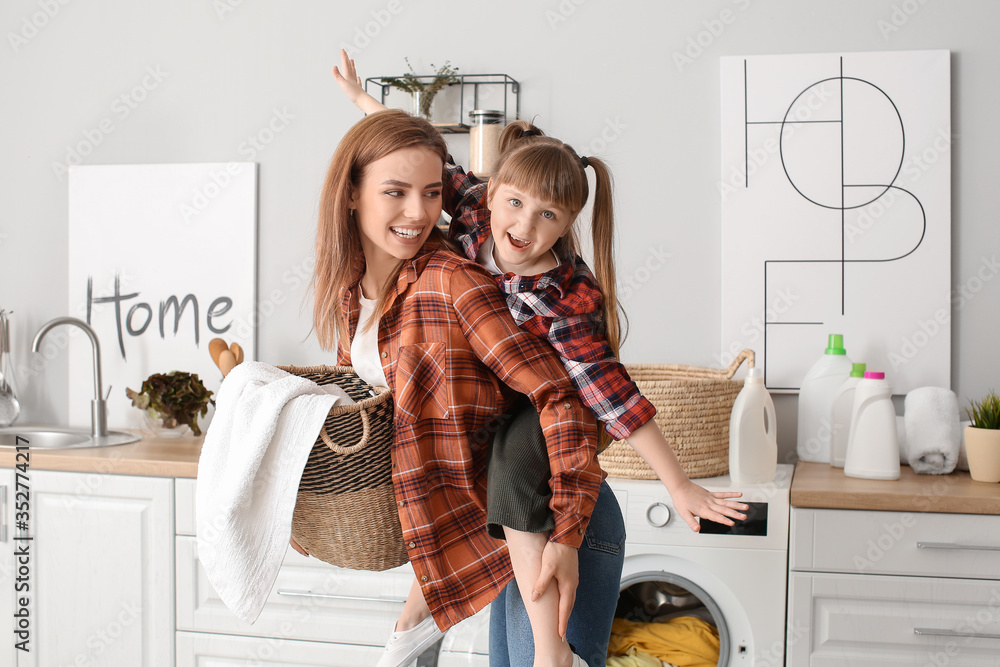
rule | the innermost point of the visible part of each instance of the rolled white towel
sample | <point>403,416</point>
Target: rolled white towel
<point>932,430</point>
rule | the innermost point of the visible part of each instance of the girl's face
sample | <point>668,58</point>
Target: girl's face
<point>397,204</point>
<point>524,229</point>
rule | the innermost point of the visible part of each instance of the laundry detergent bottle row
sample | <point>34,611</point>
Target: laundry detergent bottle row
<point>816,395</point>
<point>753,433</point>
<point>840,416</point>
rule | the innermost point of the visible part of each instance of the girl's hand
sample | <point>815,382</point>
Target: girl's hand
<point>693,501</point>
<point>347,78</point>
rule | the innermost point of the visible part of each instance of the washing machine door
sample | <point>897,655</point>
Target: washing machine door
<point>656,584</point>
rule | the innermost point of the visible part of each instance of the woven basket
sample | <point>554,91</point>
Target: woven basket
<point>345,512</point>
<point>693,406</point>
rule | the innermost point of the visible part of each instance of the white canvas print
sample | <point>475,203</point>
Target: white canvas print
<point>162,258</point>
<point>836,212</point>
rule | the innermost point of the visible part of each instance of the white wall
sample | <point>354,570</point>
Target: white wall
<point>226,68</point>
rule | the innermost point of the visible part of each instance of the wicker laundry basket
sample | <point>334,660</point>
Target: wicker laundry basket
<point>693,406</point>
<point>345,512</point>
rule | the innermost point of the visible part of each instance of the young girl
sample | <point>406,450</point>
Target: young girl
<point>519,226</point>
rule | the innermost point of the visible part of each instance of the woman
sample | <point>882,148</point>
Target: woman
<point>442,340</point>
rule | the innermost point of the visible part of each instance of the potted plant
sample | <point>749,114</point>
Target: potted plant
<point>172,400</point>
<point>982,438</point>
<point>423,88</point>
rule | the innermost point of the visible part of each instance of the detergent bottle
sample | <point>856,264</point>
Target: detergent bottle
<point>816,401</point>
<point>872,449</point>
<point>753,444</point>
<point>840,416</point>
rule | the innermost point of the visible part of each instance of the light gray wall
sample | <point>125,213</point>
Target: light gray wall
<point>225,68</point>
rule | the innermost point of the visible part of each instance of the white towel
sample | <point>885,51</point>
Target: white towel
<point>266,421</point>
<point>932,431</point>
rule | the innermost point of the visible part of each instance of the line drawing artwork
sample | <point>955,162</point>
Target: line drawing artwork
<point>836,212</point>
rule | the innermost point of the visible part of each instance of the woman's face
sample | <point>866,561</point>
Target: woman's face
<point>397,204</point>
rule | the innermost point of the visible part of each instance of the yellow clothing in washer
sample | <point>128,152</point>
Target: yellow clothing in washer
<point>634,658</point>
<point>685,641</point>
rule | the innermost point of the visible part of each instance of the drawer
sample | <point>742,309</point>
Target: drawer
<point>314,601</point>
<point>911,543</point>
<point>874,621</point>
<point>310,600</point>
<point>195,649</point>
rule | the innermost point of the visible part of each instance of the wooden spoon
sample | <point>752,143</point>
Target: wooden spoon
<point>215,348</point>
<point>237,352</point>
<point>227,362</point>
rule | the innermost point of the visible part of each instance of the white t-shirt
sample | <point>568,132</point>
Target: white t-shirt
<point>364,347</point>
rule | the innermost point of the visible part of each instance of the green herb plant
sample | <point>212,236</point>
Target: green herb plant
<point>426,87</point>
<point>986,413</point>
<point>175,397</point>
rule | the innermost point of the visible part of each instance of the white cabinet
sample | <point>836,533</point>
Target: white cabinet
<point>316,614</point>
<point>870,589</point>
<point>8,565</point>
<point>101,570</point>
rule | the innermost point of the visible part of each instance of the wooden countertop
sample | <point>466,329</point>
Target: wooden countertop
<point>152,456</point>
<point>820,485</point>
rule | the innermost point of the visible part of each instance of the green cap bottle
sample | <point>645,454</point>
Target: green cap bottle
<point>858,370</point>
<point>835,344</point>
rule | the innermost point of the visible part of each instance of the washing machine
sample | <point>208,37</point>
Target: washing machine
<point>733,577</point>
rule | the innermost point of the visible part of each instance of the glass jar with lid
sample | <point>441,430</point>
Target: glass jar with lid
<point>484,140</point>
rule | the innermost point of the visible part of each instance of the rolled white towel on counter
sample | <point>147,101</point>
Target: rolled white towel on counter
<point>933,434</point>
<point>904,457</point>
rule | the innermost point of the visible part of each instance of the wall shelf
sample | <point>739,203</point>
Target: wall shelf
<point>475,91</point>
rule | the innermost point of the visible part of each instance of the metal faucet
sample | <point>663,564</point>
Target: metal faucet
<point>98,406</point>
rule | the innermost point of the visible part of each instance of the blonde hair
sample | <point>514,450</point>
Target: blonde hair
<point>551,170</point>
<point>338,241</point>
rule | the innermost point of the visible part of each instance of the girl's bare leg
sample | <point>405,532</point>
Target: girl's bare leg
<point>543,614</point>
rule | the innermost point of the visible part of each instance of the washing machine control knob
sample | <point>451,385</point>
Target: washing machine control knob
<point>658,514</point>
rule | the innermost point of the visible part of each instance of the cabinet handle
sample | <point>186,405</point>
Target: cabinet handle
<point>952,545</point>
<point>952,633</point>
<point>328,596</point>
<point>3,512</point>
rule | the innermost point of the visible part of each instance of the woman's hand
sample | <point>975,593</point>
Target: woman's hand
<point>347,78</point>
<point>562,563</point>
<point>692,501</point>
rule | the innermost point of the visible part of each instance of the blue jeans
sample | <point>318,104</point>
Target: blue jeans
<point>602,555</point>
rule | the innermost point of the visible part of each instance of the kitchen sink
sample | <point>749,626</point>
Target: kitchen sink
<point>54,437</point>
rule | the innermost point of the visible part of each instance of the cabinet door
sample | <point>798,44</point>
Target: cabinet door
<point>8,566</point>
<point>102,570</point>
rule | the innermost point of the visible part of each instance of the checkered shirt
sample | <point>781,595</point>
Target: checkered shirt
<point>447,343</point>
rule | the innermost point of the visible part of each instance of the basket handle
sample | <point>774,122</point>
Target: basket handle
<point>748,355</point>
<point>340,449</point>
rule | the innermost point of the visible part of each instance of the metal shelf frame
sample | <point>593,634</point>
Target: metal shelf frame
<point>511,89</point>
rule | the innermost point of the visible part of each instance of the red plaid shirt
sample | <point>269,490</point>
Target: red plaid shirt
<point>447,342</point>
<point>562,306</point>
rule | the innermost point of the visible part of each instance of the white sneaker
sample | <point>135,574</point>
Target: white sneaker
<point>406,646</point>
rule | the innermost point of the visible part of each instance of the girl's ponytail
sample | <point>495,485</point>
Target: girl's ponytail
<point>603,232</point>
<point>514,134</point>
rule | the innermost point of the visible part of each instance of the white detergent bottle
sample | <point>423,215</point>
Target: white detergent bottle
<point>840,416</point>
<point>753,433</point>
<point>872,451</point>
<point>816,400</point>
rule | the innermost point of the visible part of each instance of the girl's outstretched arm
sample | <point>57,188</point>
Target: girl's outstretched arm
<point>347,78</point>
<point>690,499</point>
